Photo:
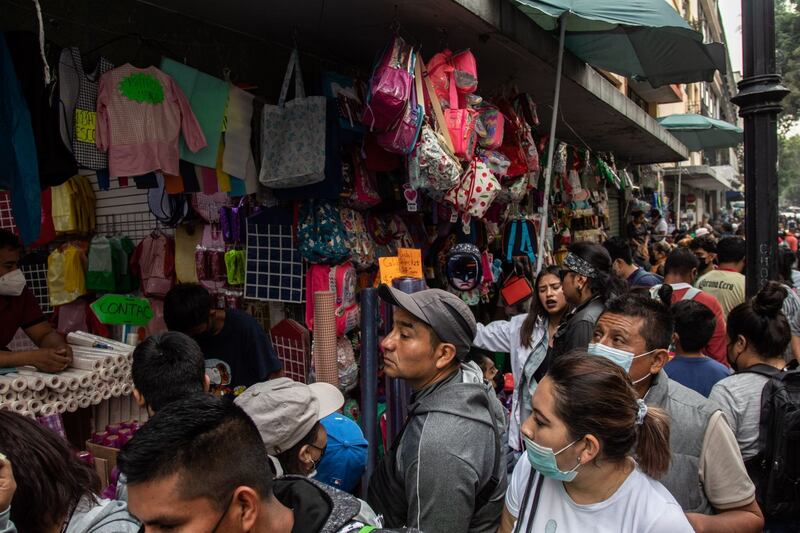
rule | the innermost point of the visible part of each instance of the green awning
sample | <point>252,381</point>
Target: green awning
<point>641,39</point>
<point>698,132</point>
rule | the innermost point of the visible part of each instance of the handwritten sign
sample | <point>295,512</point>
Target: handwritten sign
<point>143,88</point>
<point>85,125</point>
<point>120,309</point>
<point>408,263</point>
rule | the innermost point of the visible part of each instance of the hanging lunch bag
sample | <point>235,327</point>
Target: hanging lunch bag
<point>321,233</point>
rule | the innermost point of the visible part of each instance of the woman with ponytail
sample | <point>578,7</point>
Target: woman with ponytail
<point>593,451</point>
<point>527,339</point>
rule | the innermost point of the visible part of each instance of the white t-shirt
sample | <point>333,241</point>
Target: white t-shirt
<point>640,505</point>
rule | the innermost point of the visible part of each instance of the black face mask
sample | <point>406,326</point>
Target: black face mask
<point>702,266</point>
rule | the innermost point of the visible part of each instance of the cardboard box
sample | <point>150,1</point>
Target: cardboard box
<point>106,455</point>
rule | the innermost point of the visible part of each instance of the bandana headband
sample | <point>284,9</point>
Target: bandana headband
<point>579,266</point>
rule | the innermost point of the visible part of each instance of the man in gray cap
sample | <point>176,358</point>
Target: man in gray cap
<point>445,471</point>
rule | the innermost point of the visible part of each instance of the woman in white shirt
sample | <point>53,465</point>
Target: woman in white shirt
<point>526,338</point>
<point>579,473</point>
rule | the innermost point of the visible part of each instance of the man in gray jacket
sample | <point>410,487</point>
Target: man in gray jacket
<point>445,470</point>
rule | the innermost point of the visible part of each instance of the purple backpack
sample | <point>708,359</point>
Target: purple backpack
<point>389,88</point>
<point>402,138</point>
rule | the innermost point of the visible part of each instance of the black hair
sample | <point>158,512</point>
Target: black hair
<point>731,250</point>
<point>786,260</point>
<point>290,459</point>
<point>605,285</point>
<point>594,396</point>
<point>681,262</point>
<point>186,306</point>
<point>761,321</point>
<point>694,323</point>
<point>536,310</point>
<point>208,441</point>
<point>705,242</point>
<point>727,227</point>
<point>619,248</point>
<point>657,323</point>
<point>167,367</point>
<point>9,240</point>
<point>51,480</point>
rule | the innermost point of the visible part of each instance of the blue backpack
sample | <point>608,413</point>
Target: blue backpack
<point>321,233</point>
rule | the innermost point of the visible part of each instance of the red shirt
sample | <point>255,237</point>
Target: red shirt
<point>791,240</point>
<point>18,312</point>
<point>717,347</point>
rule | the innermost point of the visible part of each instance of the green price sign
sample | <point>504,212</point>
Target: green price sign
<point>121,309</point>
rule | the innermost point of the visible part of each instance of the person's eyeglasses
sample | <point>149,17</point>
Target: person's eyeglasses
<point>321,451</point>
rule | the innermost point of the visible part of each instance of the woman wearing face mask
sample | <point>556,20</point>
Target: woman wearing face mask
<point>587,283</point>
<point>19,309</point>
<point>758,334</point>
<point>579,472</point>
<point>287,414</point>
<point>527,339</point>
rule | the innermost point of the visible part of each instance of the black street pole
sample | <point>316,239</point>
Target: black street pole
<point>760,94</point>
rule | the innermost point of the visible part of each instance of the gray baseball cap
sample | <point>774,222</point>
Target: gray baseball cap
<point>285,411</point>
<point>444,312</point>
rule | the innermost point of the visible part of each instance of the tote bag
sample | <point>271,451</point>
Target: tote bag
<point>293,136</point>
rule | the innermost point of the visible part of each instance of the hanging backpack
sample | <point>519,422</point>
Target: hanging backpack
<point>389,87</point>
<point>363,193</point>
<point>358,239</point>
<point>519,239</point>
<point>775,470</point>
<point>100,276</point>
<point>154,263</point>
<point>402,138</point>
<point>321,233</point>
<point>341,280</point>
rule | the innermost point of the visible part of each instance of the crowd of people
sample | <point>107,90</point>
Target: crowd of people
<point>641,384</point>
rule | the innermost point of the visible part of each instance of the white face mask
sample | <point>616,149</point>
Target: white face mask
<point>620,357</point>
<point>12,283</point>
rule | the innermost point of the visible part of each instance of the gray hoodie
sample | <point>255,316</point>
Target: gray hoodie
<point>100,516</point>
<point>448,452</point>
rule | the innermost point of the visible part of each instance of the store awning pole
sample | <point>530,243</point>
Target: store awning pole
<point>548,171</point>
<point>678,200</point>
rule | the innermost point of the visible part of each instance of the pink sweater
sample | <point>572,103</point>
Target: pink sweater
<point>140,115</point>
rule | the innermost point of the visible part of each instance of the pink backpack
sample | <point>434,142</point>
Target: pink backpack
<point>402,138</point>
<point>340,279</point>
<point>154,263</point>
<point>389,88</point>
<point>461,125</point>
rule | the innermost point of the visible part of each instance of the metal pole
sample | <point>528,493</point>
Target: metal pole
<point>759,97</point>
<point>548,171</point>
<point>369,379</point>
<point>678,199</point>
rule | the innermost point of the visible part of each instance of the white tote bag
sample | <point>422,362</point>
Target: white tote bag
<point>293,136</point>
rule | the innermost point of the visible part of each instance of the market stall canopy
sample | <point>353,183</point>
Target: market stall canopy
<point>698,132</point>
<point>512,51</point>
<point>640,39</point>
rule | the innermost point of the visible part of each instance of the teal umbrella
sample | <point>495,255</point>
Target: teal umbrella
<point>642,39</point>
<point>702,133</point>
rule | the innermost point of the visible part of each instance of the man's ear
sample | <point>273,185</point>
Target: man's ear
<point>137,396</point>
<point>246,508</point>
<point>206,383</point>
<point>660,358</point>
<point>445,355</point>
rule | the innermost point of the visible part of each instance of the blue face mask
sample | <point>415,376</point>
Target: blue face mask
<point>543,460</point>
<point>615,355</point>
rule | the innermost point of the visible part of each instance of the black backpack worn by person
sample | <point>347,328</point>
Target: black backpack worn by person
<point>775,470</point>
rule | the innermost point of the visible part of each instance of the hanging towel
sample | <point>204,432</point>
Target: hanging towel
<point>207,96</point>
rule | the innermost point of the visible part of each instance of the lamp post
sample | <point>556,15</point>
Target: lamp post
<point>759,98</point>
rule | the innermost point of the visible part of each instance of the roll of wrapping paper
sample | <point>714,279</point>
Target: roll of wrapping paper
<point>72,382</point>
<point>127,389</point>
<point>84,378</point>
<point>106,393</point>
<point>41,395</point>
<point>84,402</point>
<point>34,406</point>
<point>60,407</point>
<point>19,406</point>
<point>18,383</point>
<point>86,363</point>
<point>325,362</point>
<point>5,384</point>
<point>48,409</point>
<point>72,406</point>
<point>25,395</point>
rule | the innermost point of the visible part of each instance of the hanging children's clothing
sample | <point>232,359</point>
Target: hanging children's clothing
<point>140,115</point>
<point>78,93</point>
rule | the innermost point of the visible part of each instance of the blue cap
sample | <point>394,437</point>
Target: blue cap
<point>345,457</point>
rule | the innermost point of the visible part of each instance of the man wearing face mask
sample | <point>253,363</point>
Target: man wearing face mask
<point>237,350</point>
<point>18,309</point>
<point>704,247</point>
<point>446,470</point>
<point>706,474</point>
